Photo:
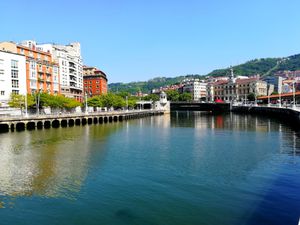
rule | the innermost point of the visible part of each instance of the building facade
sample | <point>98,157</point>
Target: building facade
<point>196,87</point>
<point>41,72</point>
<point>12,76</point>
<point>69,59</point>
<point>95,81</point>
<point>238,89</point>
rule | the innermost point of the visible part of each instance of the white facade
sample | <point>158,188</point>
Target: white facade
<point>70,67</point>
<point>196,87</point>
<point>12,75</point>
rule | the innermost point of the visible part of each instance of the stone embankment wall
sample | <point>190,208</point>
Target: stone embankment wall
<point>287,114</point>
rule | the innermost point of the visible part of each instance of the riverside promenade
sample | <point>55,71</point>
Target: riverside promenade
<point>68,120</point>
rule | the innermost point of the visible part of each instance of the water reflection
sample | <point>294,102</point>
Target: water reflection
<point>49,163</point>
<point>245,123</point>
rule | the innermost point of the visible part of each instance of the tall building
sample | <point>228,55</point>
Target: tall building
<point>12,75</point>
<point>70,64</point>
<point>41,72</point>
<point>95,81</point>
<point>196,87</point>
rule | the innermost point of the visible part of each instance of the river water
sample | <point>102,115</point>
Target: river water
<point>184,168</point>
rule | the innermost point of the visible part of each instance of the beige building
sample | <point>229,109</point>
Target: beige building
<point>237,89</point>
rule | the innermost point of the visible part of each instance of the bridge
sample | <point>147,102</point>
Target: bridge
<point>69,120</point>
<point>198,106</point>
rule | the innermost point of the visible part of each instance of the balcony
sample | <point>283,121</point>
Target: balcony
<point>72,78</point>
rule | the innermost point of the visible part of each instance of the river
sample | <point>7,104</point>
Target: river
<point>184,168</point>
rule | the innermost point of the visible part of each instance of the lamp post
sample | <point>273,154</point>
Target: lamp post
<point>37,102</point>
<point>279,99</point>
<point>268,93</point>
<point>86,109</point>
<point>294,97</point>
<point>26,111</point>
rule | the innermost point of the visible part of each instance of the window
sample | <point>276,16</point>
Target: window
<point>30,53</point>
<point>14,74</point>
<point>14,64</point>
<point>22,51</point>
<point>15,84</point>
<point>1,72</point>
<point>2,93</point>
<point>16,92</point>
<point>32,65</point>
<point>39,56</point>
<point>33,74</point>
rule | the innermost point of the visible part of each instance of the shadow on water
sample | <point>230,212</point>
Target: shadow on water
<point>127,216</point>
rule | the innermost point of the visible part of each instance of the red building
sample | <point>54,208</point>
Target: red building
<point>94,81</point>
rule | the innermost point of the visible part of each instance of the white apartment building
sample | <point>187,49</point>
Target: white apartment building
<point>70,67</point>
<point>12,75</point>
<point>196,87</point>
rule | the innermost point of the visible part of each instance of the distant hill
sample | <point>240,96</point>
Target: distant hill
<point>264,67</point>
<point>147,86</point>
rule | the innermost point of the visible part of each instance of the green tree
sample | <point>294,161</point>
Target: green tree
<point>131,103</point>
<point>172,95</point>
<point>153,97</point>
<point>70,103</point>
<point>95,101</point>
<point>17,101</point>
<point>185,97</point>
<point>251,97</point>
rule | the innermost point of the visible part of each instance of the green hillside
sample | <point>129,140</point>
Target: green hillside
<point>147,86</point>
<point>264,67</point>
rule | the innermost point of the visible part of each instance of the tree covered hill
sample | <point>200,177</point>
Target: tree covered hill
<point>264,67</point>
<point>147,86</point>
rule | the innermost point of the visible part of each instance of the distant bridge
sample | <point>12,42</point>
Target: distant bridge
<point>69,120</point>
<point>197,106</point>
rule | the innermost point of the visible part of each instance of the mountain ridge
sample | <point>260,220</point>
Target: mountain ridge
<point>262,66</point>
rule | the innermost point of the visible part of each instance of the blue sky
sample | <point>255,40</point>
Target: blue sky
<point>136,40</point>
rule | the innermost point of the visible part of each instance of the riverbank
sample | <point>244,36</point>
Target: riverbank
<point>288,114</point>
<point>65,120</point>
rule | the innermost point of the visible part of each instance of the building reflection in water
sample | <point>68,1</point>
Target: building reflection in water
<point>50,163</point>
<point>251,123</point>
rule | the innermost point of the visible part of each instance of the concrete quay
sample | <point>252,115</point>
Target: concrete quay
<point>290,114</point>
<point>68,120</point>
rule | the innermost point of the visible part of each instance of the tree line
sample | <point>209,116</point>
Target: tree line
<point>109,100</point>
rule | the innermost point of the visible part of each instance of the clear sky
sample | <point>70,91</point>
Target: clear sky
<point>136,40</point>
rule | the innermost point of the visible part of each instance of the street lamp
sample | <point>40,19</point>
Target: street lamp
<point>86,109</point>
<point>279,98</point>
<point>294,98</point>
<point>26,112</point>
<point>37,102</point>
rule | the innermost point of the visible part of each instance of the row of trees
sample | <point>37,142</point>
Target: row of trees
<point>120,100</point>
<point>112,100</point>
<point>172,95</point>
<point>42,100</point>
